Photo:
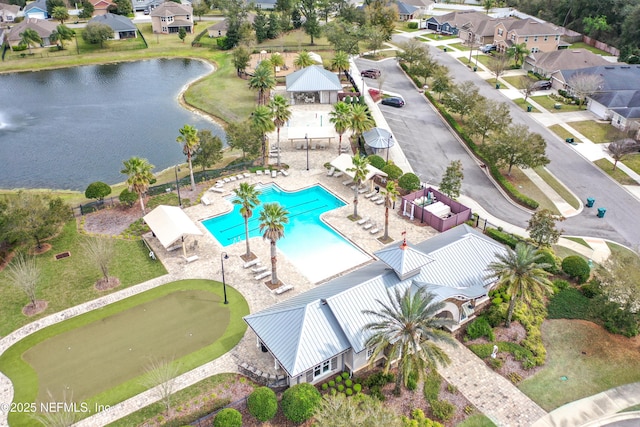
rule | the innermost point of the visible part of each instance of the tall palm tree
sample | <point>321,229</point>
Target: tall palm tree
<point>518,270</point>
<point>272,220</point>
<point>189,139</point>
<point>281,111</point>
<point>341,119</point>
<point>360,170</point>
<point>247,198</point>
<point>406,329</point>
<point>261,119</point>
<point>361,121</point>
<point>303,60</point>
<point>139,176</point>
<point>262,80</point>
<point>30,37</point>
<point>340,61</point>
<point>390,194</point>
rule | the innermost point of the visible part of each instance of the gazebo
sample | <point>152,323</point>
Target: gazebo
<point>169,225</point>
<point>379,139</point>
<point>312,85</point>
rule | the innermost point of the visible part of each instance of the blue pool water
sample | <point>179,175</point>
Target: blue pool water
<point>312,246</point>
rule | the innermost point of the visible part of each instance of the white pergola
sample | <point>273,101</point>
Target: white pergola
<point>170,224</point>
<point>343,163</point>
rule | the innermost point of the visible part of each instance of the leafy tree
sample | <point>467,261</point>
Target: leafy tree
<point>542,227</point>
<point>488,5</point>
<point>262,121</point>
<point>60,13</point>
<point>262,403</point>
<point>344,36</point>
<point>390,194</point>
<point>353,14</point>
<point>341,411</point>
<point>97,33</point>
<point>340,61</point>
<point>87,10</point>
<point>235,15</point>
<point>30,37</point>
<point>139,176</point>
<point>516,146</point>
<point>462,99</point>
<point>595,24</point>
<point>452,179</point>
<point>299,402</point>
<point>382,16</point>
<point>620,279</point>
<point>24,274</point>
<point>303,60</point>
<point>52,4</point>
<point>247,197</point>
<point>583,84</point>
<point>360,170</point>
<point>189,140</point>
<point>276,60</point>
<point>97,190</point>
<point>528,86</point>
<point>411,52</point>
<point>260,24</point>
<point>262,80</point>
<point>340,117</point>
<point>209,151</point>
<point>272,221</point>
<point>273,27</point>
<point>523,278</point>
<point>518,52</point>
<point>100,251</point>
<point>245,137</point>
<point>407,329</point>
<point>488,116</point>
<point>441,82</point>
<point>61,34</point>
<point>622,148</point>
<point>375,38</point>
<point>241,58</point>
<point>498,64</point>
<point>281,113</point>
<point>123,7</point>
<point>127,198</point>
<point>311,25</point>
<point>425,69</point>
<point>296,18</point>
<point>200,9</point>
<point>162,374</point>
<point>182,34</point>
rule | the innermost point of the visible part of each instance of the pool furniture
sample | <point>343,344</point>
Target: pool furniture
<point>331,171</point>
<point>367,196</point>
<point>246,174</point>
<point>258,270</point>
<point>192,258</point>
<point>205,201</point>
<point>379,202</point>
<point>274,174</point>
<point>259,172</point>
<point>375,198</point>
<point>262,275</point>
<point>375,230</point>
<point>347,181</point>
<point>283,289</point>
<point>251,263</point>
<point>284,172</point>
<point>363,220</point>
<point>368,225</point>
<point>338,174</point>
<point>216,190</point>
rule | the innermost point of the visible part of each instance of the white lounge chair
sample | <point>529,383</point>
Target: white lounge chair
<point>205,201</point>
<point>374,230</point>
<point>251,263</point>
<point>362,190</point>
<point>246,174</point>
<point>367,196</point>
<point>338,174</point>
<point>368,225</point>
<point>347,181</point>
<point>284,172</point>
<point>262,275</point>
<point>363,220</point>
<point>259,172</point>
<point>375,198</point>
<point>379,202</point>
<point>283,289</point>
<point>274,174</point>
<point>260,269</point>
<point>216,190</point>
<point>331,171</point>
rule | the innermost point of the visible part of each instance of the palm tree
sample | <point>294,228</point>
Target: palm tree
<point>247,198</point>
<point>361,121</point>
<point>30,37</point>
<point>341,119</point>
<point>281,112</point>
<point>276,60</point>
<point>518,52</point>
<point>406,330</point>
<point>360,170</point>
<point>61,34</point>
<point>139,176</point>
<point>303,60</point>
<point>190,140</point>
<point>518,270</point>
<point>340,61</point>
<point>262,80</point>
<point>272,220</point>
<point>390,194</point>
<point>262,118</point>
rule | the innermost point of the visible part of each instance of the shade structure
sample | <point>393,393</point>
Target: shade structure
<point>378,138</point>
<point>343,162</point>
<point>169,224</point>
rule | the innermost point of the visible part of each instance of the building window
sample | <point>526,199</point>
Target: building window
<point>535,38</point>
<point>526,39</point>
<point>321,369</point>
<point>369,353</point>
<point>513,37</point>
<point>500,32</point>
<point>557,38</point>
<point>164,29</point>
<point>535,50</point>
<point>546,38</point>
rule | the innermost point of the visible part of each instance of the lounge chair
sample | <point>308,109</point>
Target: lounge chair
<point>363,220</point>
<point>347,181</point>
<point>379,202</point>
<point>251,263</point>
<point>262,275</point>
<point>259,172</point>
<point>260,269</point>
<point>368,196</point>
<point>374,230</point>
<point>331,171</point>
<point>284,172</point>
<point>362,190</point>
<point>274,174</point>
<point>205,201</point>
<point>246,174</point>
<point>338,174</point>
<point>368,225</point>
<point>216,190</point>
<point>375,198</point>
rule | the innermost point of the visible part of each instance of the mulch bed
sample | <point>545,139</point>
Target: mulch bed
<point>31,310</point>
<point>107,284</point>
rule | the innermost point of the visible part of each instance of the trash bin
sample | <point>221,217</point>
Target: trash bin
<point>445,49</point>
<point>497,85</point>
<point>590,202</point>
<point>601,212</point>
<point>529,108</point>
<point>569,140</point>
<point>475,69</point>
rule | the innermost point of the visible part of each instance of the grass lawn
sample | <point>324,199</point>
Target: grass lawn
<point>581,45</point>
<point>548,103</point>
<point>69,281</point>
<point>460,46</point>
<point>522,104</point>
<point>163,318</point>
<point>596,132</point>
<point>558,187</point>
<point>436,37</point>
<point>563,252</point>
<point>483,59</point>
<point>563,133</point>
<point>591,359</point>
<point>633,161</point>
<point>529,189</point>
<point>617,174</point>
<point>381,54</point>
<point>578,240</point>
<point>476,421</point>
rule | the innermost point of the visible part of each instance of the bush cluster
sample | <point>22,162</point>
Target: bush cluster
<point>502,237</point>
<point>409,182</point>
<point>262,403</point>
<point>228,417</point>
<point>547,257</point>
<point>412,25</point>
<point>443,409</point>
<point>377,161</point>
<point>480,328</point>
<point>418,419</point>
<point>300,402</point>
<point>432,382</point>
<point>393,172</point>
<point>412,381</point>
<point>576,267</point>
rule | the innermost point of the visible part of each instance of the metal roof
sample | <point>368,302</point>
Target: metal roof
<point>378,138</point>
<point>170,223</point>
<point>405,9</point>
<point>313,78</point>
<point>344,162</point>
<point>403,259</point>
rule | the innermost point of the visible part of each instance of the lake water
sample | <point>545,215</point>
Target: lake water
<point>66,128</point>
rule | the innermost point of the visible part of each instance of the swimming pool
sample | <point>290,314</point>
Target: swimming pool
<point>316,249</point>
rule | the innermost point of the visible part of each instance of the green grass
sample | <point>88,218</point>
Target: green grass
<point>460,46</point>
<point>631,408</point>
<point>581,45</point>
<point>515,81</point>
<point>608,361</point>
<point>619,250</point>
<point>579,240</point>
<point>25,379</point>
<point>563,252</point>
<point>477,420</point>
<point>436,37</point>
<point>529,189</point>
<point>483,59</point>
<point>520,102</point>
<point>596,132</point>
<point>563,133</point>
<point>617,174</point>
<point>558,187</point>
<point>69,281</point>
<point>632,161</point>
<point>548,103</point>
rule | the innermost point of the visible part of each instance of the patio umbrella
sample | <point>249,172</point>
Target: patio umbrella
<point>378,138</point>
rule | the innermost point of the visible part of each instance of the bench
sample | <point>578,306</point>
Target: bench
<point>262,275</point>
<point>192,258</point>
<point>283,289</point>
<point>251,263</point>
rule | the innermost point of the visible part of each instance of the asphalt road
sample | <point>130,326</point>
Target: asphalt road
<point>430,146</point>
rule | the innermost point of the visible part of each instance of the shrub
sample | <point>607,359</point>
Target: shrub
<point>299,402</point>
<point>393,172</point>
<point>559,285</point>
<point>495,363</point>
<point>569,303</point>
<point>591,289</point>
<point>496,314</point>
<point>263,403</point>
<point>97,190</point>
<point>340,387</point>
<point>228,417</point>
<point>515,377</point>
<point>443,409</point>
<point>412,25</point>
<point>377,161</point>
<point>576,267</point>
<point>432,383</point>
<point>325,386</point>
<point>480,328</point>
<point>376,392</point>
<point>349,392</point>
<point>409,182</point>
<point>127,198</point>
<point>377,380</point>
<point>502,237</point>
<point>452,389</point>
<point>412,381</point>
<point>332,383</point>
<point>357,388</point>
<point>546,257</point>
<point>348,383</point>
<point>344,375</point>
<point>338,379</point>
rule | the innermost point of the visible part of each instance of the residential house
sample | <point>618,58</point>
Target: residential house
<point>36,9</point>
<point>537,36</point>
<point>122,26</point>
<point>169,17</point>
<point>2,36</point>
<point>547,63</point>
<point>40,26</point>
<point>321,332</point>
<point>8,12</point>
<point>468,25</point>
<point>219,29</point>
<point>407,12</point>
<point>102,7</point>
<point>313,84</point>
<point>264,4</point>
<point>424,7</point>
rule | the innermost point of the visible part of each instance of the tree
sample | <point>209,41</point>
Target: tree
<point>488,116</point>
<point>61,34</point>
<point>247,197</point>
<point>441,82</point>
<point>303,60</point>
<point>100,251</point>
<point>340,116</point>
<point>276,61</point>
<point>452,179</point>
<point>516,146</point>
<point>60,13</point>
<point>124,7</point>
<point>542,227</point>
<point>361,121</point>
<point>344,36</point>
<point>262,121</point>
<point>518,52</point>
<point>273,27</point>
<point>182,34</point>
<point>161,375</point>
<point>281,113</point>
<point>375,38</point>
<point>488,5</point>
<point>139,176</point>
<point>595,24</point>
<point>260,24</point>
<point>299,402</point>
<point>200,9</point>
<point>361,410</point>
<point>340,61</point>
<point>241,58</point>
<point>620,279</point>
<point>189,139</point>
<point>308,8</point>
<point>498,63</point>
<point>519,272</point>
<point>97,190</point>
<point>245,137</point>
<point>360,170</point>
<point>24,274</point>
<point>383,16</point>
<point>52,4</point>
<point>528,86</point>
<point>262,80</point>
<point>462,98</point>
<point>411,52</point>
<point>584,85</point>
<point>390,194</point>
<point>209,150</point>
<point>272,221</point>
<point>407,329</point>
<point>621,148</point>
<point>97,33</point>
<point>235,15</point>
<point>30,37</point>
<point>87,10</point>
<point>424,68</point>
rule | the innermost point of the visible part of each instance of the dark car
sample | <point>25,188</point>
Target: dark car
<point>372,73</point>
<point>542,85</point>
<point>393,101</point>
<point>488,48</point>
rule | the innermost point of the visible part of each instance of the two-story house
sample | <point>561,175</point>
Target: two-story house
<point>169,17</point>
<point>469,25</point>
<point>537,36</point>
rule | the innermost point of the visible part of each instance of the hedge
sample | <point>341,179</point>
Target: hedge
<point>409,182</point>
<point>502,237</point>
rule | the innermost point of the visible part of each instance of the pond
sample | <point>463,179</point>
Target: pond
<point>66,128</point>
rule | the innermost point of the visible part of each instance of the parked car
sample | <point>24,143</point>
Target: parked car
<point>488,48</point>
<point>371,73</point>
<point>393,101</point>
<point>542,85</point>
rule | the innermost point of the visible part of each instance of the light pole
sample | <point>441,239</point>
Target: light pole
<point>224,256</point>
<point>175,169</point>
<point>389,146</point>
<point>306,140</point>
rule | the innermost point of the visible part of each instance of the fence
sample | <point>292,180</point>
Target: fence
<point>207,420</point>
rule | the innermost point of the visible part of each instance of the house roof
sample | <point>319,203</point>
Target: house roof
<point>566,59</point>
<point>615,77</point>
<point>405,8</point>
<point>170,8</point>
<point>170,223</point>
<point>222,24</point>
<point>39,5</point>
<point>529,27</point>
<point>624,102</point>
<point>42,27</point>
<point>419,3</point>
<point>117,23</point>
<point>313,78</point>
<point>403,259</point>
<point>101,4</point>
<point>12,9</point>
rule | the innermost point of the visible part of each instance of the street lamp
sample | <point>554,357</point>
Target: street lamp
<point>224,256</point>
<point>175,169</point>
<point>389,146</point>
<point>306,140</point>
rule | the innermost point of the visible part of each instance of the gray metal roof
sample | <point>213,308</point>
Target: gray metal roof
<point>313,78</point>
<point>117,23</point>
<point>403,259</point>
<point>378,138</point>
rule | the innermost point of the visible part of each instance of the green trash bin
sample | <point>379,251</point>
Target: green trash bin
<point>590,202</point>
<point>475,69</point>
<point>601,212</point>
<point>497,85</point>
<point>529,108</point>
